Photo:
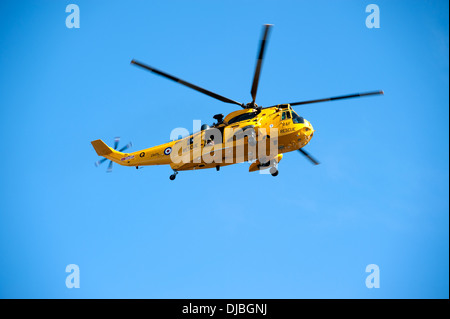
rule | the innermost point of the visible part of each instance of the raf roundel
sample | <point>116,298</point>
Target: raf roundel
<point>168,150</point>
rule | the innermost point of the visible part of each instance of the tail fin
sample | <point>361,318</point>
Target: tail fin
<point>101,148</point>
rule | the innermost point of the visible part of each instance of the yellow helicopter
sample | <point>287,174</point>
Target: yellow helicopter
<point>241,136</point>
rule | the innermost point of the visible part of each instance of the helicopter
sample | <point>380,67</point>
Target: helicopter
<point>241,136</point>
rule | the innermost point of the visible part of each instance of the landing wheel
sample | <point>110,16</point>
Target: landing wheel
<point>172,177</point>
<point>273,171</point>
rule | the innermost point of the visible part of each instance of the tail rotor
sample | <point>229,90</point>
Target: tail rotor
<point>116,144</point>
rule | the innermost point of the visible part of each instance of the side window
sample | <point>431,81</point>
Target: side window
<point>286,115</point>
<point>297,119</point>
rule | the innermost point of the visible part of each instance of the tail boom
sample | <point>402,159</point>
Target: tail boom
<point>158,155</point>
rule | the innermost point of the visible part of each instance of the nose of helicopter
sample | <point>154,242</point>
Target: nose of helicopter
<point>307,130</point>
<point>305,134</point>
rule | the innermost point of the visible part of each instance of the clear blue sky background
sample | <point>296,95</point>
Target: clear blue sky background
<point>380,195</point>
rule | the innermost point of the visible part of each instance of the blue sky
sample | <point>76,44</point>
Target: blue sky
<point>380,195</point>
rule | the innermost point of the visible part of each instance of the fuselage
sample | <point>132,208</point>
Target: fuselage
<point>290,132</point>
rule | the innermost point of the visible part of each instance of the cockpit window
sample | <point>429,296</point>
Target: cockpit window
<point>297,119</point>
<point>243,117</point>
<point>286,115</point>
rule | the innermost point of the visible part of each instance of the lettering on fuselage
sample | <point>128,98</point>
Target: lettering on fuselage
<point>287,130</point>
<point>127,158</point>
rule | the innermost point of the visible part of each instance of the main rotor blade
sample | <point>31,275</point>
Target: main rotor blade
<point>259,61</point>
<point>314,161</point>
<point>190,85</point>
<point>338,98</point>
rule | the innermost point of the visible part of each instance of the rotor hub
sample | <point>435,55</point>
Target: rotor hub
<point>251,105</point>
